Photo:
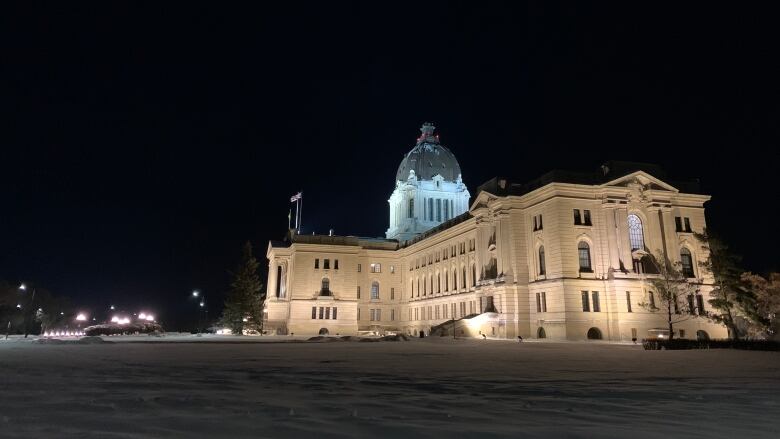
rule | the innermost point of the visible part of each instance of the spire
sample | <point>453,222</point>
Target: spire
<point>427,135</point>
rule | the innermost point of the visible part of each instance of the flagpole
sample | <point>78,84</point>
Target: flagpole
<point>300,221</point>
<point>296,214</point>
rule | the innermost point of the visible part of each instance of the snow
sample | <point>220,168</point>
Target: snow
<point>212,386</point>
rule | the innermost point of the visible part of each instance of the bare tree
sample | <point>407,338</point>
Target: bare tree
<point>672,288</point>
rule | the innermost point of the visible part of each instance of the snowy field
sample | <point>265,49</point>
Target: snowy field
<point>143,387</point>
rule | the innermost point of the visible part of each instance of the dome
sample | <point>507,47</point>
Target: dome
<point>429,158</point>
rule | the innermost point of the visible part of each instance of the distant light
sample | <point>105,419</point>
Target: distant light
<point>115,319</point>
<point>94,318</point>
<point>149,318</point>
<point>123,321</point>
<point>81,317</point>
<point>142,316</point>
<point>19,305</point>
<point>195,293</point>
<point>244,319</point>
<point>22,287</point>
<point>202,304</point>
<point>62,313</point>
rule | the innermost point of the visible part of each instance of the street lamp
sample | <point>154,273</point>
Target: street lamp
<point>23,288</point>
<point>201,305</point>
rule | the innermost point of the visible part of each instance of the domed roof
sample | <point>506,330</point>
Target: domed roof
<point>429,158</point>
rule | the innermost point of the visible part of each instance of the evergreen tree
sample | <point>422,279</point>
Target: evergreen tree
<point>672,288</point>
<point>728,298</point>
<point>244,302</point>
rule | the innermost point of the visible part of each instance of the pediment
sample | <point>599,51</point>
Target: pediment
<point>482,201</point>
<point>641,179</point>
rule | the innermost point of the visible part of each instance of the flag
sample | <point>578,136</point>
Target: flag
<point>296,197</point>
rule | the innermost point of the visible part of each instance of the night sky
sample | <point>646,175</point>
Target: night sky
<point>142,144</point>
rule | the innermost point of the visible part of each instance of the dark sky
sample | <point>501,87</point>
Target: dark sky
<point>142,144</point>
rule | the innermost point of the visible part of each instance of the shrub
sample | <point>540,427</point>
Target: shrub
<point>684,344</point>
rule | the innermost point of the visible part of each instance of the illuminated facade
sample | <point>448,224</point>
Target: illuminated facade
<point>560,257</point>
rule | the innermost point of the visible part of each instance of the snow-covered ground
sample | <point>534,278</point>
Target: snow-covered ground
<point>165,387</point>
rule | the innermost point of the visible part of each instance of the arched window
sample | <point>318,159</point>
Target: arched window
<point>541,261</point>
<point>465,284</point>
<point>455,280</point>
<point>594,334</point>
<point>438,283</point>
<point>374,290</point>
<point>687,262</point>
<point>584,255</point>
<point>446,281</point>
<point>635,233</point>
<point>473,275</point>
<point>325,290</point>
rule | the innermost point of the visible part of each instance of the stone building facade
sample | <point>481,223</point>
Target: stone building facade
<point>560,257</point>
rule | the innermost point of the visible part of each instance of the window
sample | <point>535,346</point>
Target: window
<point>411,208</point>
<point>326,264</point>
<point>577,217</point>
<point>374,290</point>
<point>392,269</point>
<point>678,224</point>
<point>313,312</point>
<point>392,293</point>
<point>376,268</point>
<point>541,261</point>
<point>446,210</point>
<point>334,313</point>
<point>687,262</point>
<point>651,299</point>
<point>335,264</point>
<point>438,209</point>
<point>464,278</point>
<point>541,226</point>
<point>586,214</point>
<point>358,292</point>
<point>358,316</point>
<point>536,226</point>
<point>584,256</point>
<point>538,302</point>
<point>628,301</point>
<point>322,312</point>
<point>360,268</point>
<point>688,225</point>
<point>596,303</point>
<point>454,280</point>
<point>279,281</point>
<point>379,315</point>
<point>473,275</point>
<point>316,263</point>
<point>585,302</point>
<point>691,306</point>
<point>430,209</point>
<point>682,333</point>
<point>438,283</point>
<point>325,290</point>
<point>327,313</point>
<point>544,301</point>
<point>700,304</point>
<point>372,315</point>
<point>392,314</point>
<point>635,233</point>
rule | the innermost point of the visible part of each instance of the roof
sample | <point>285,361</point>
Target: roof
<point>429,158</point>
<point>609,171</point>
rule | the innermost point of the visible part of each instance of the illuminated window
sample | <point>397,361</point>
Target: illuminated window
<point>374,290</point>
<point>376,268</point>
<point>635,233</point>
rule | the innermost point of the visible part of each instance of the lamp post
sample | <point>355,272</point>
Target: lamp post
<point>26,313</point>
<point>201,305</point>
